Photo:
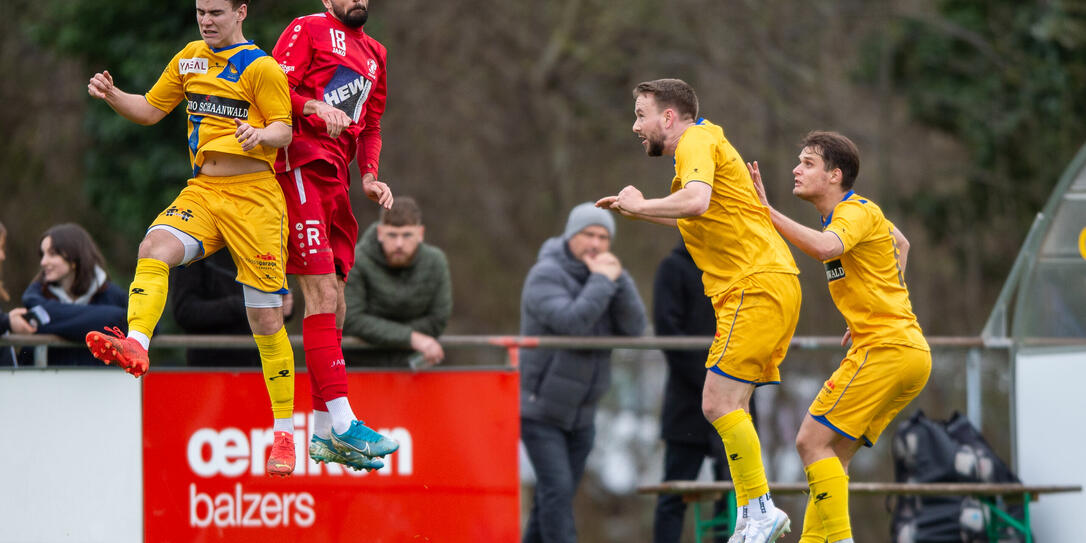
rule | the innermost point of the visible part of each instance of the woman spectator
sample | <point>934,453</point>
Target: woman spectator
<point>72,294</point>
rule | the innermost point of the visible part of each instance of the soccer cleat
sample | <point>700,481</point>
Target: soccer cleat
<point>360,439</point>
<point>322,450</point>
<point>769,529</point>
<point>739,534</point>
<point>125,351</point>
<point>281,460</point>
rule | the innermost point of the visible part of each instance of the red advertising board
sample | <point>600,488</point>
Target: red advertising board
<point>206,436</point>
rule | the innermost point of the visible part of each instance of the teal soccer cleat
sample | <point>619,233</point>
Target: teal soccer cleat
<point>322,450</point>
<point>361,440</point>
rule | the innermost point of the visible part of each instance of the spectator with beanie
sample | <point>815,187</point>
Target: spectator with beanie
<point>576,288</point>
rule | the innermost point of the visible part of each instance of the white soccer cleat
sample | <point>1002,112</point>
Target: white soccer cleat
<point>768,529</point>
<point>739,535</point>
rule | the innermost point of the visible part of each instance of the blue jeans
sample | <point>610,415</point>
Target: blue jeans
<point>558,458</point>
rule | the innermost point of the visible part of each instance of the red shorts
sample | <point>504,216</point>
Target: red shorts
<point>323,229</point>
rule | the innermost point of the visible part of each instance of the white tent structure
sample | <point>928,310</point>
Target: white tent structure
<point>1041,314</point>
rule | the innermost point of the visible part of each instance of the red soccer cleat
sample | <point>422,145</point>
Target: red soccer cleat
<point>281,460</point>
<point>126,352</point>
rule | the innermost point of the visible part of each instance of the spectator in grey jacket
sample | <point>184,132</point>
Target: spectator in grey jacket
<point>399,293</point>
<point>577,288</point>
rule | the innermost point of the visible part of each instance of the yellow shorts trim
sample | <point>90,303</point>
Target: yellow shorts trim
<point>755,321</point>
<point>244,213</point>
<point>872,385</point>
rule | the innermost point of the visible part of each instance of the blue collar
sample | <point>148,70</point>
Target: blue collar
<point>221,49</point>
<point>826,221</point>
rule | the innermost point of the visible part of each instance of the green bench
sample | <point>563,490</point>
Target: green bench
<point>697,492</point>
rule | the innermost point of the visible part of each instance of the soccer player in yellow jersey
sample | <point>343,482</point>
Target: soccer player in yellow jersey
<point>238,118</point>
<point>889,361</point>
<point>747,271</point>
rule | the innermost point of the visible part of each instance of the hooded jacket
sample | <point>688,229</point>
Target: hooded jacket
<point>103,305</point>
<point>562,298</point>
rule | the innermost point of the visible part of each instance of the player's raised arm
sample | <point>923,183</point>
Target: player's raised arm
<point>819,245</point>
<point>133,107</point>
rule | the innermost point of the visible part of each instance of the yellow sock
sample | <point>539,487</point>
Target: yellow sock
<point>277,360</point>
<point>147,295</point>
<point>829,495</point>
<point>813,531</point>
<point>744,453</point>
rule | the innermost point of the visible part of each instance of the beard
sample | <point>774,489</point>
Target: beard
<point>656,147</point>
<point>353,18</point>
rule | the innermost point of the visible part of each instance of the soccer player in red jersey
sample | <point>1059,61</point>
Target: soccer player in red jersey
<point>336,75</point>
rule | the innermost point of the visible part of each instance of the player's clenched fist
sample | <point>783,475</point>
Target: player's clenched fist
<point>248,136</point>
<point>101,85</point>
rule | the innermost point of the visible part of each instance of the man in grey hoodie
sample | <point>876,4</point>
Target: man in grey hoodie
<point>577,288</point>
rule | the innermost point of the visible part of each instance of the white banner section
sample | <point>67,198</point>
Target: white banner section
<point>71,456</point>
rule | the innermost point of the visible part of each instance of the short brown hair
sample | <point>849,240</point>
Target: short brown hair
<point>837,151</point>
<point>235,4</point>
<point>404,212</point>
<point>75,245</point>
<point>671,93</point>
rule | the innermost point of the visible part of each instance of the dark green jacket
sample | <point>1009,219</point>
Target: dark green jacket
<point>384,305</point>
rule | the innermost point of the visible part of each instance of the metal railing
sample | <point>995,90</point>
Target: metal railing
<point>511,345</point>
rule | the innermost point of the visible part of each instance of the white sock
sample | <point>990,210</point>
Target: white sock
<point>847,540</point>
<point>140,337</point>
<point>741,515</point>
<point>340,410</point>
<point>284,425</point>
<point>761,506</point>
<point>322,424</point>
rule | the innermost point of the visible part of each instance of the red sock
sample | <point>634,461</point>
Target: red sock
<point>324,359</point>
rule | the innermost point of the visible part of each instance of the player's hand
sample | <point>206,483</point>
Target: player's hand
<point>101,85</point>
<point>19,324</point>
<point>377,191</point>
<point>335,121</point>
<point>604,263</point>
<point>847,338</point>
<point>756,176</point>
<point>248,136</point>
<point>428,347</point>
<point>629,199</point>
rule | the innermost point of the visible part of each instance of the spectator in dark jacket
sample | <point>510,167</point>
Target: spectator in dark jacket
<point>680,308</point>
<point>208,300</point>
<point>13,322</point>
<point>577,288</point>
<point>399,292</point>
<point>72,294</point>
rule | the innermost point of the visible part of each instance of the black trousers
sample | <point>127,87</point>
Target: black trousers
<point>682,462</point>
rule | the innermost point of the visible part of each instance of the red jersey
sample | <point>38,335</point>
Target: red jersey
<point>327,60</point>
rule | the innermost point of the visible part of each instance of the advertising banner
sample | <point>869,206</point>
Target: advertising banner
<point>206,436</point>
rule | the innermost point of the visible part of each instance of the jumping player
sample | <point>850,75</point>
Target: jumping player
<point>747,272</point>
<point>336,75</point>
<point>889,361</point>
<point>238,117</point>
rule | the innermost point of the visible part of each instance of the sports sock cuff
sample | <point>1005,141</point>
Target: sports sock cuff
<point>824,469</point>
<point>727,422</point>
<point>319,331</point>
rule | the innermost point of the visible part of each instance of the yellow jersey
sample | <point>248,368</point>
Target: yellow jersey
<point>735,237</point>
<point>221,85</point>
<point>866,282</point>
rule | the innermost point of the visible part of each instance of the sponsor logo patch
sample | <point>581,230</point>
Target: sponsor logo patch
<point>217,106</point>
<point>834,270</point>
<point>192,66</point>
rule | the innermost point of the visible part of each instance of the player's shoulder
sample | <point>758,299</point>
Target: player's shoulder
<point>306,22</point>
<point>377,46</point>
<point>195,47</point>
<point>856,203</point>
